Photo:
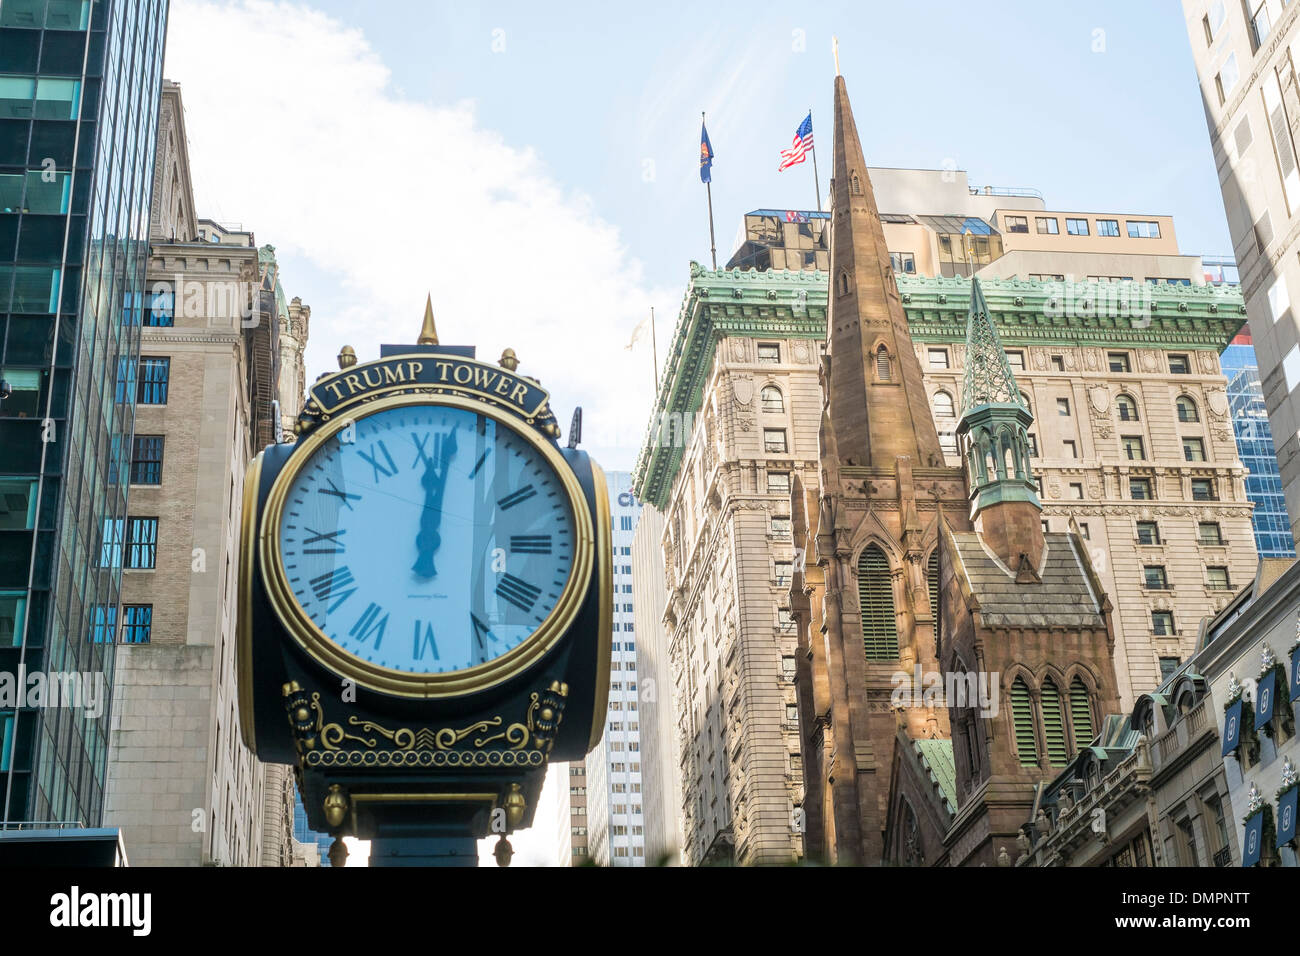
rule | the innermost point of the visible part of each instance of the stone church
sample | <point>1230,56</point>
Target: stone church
<point>951,653</point>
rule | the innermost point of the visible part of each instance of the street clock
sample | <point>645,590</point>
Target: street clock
<point>426,599</point>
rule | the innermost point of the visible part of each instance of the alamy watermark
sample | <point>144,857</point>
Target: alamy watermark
<point>959,689</point>
<point>41,689</point>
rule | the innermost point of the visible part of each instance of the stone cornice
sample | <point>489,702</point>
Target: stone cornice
<point>786,304</point>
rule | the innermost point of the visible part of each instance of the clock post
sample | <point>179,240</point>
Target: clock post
<point>425,602</point>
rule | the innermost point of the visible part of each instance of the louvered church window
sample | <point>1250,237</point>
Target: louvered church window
<point>1053,724</point>
<point>1080,713</point>
<point>1022,717</point>
<point>876,601</point>
<point>932,574</point>
<point>882,364</point>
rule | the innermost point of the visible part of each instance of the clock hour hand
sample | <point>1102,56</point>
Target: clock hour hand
<point>434,482</point>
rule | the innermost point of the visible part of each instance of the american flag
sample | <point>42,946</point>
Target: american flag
<point>798,151</point>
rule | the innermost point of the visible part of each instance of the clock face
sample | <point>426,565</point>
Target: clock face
<point>427,539</point>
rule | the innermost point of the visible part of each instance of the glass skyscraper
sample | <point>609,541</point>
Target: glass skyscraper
<point>305,834</point>
<point>1255,446</point>
<point>79,91</point>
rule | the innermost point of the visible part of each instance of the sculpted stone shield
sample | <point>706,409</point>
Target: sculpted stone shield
<point>1099,399</point>
<point>743,389</point>
<point>1217,399</point>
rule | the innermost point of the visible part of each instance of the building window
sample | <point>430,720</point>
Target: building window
<point>772,399</point>
<point>787,666</point>
<point>1148,532</point>
<point>1119,362</point>
<point>781,526</point>
<point>1022,718</point>
<point>1178,365</point>
<point>1076,491</point>
<point>1016,224</point>
<point>1083,530</point>
<point>1016,360</point>
<point>1071,449</point>
<point>146,460</point>
<point>151,386</point>
<point>1063,407</point>
<point>1154,578</point>
<point>1193,449</point>
<point>1127,408</point>
<point>1076,227</point>
<point>1143,229</point>
<point>1162,623</point>
<point>943,406</point>
<point>1080,713</point>
<point>1217,578</point>
<point>876,605</point>
<point>1213,20</point>
<point>1133,449</point>
<point>17,504</point>
<point>1058,364</point>
<point>1033,445</point>
<point>791,713</point>
<point>774,440</point>
<point>1053,724</point>
<point>103,624</point>
<point>948,443</point>
<point>882,364</point>
<point>1047,225</point>
<point>769,353</point>
<point>1209,533</point>
<point>137,623</point>
<point>1168,665</point>
<point>938,358</point>
<point>142,543</point>
<point>904,262</point>
<point>783,570</point>
<point>1139,489</point>
<point>778,483</point>
<point>1226,79</point>
<point>936,606</point>
<point>1187,411</point>
<point>1108,227</point>
<point>1203,489</point>
<point>784,620</point>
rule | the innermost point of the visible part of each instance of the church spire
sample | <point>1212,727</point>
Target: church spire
<point>994,427</point>
<point>876,396</point>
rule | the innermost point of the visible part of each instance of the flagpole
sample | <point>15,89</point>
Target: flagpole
<point>817,183</point>
<point>713,245</point>
<point>654,350</point>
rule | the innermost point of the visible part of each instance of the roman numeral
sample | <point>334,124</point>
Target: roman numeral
<point>370,623</point>
<point>338,493</point>
<point>384,469</point>
<point>424,641</point>
<point>420,441</point>
<point>530,543</point>
<point>331,536</point>
<point>516,497</point>
<point>337,583</point>
<point>518,592</point>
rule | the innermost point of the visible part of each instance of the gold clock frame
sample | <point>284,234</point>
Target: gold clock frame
<point>312,639</point>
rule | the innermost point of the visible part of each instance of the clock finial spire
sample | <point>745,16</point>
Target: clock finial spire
<point>428,332</point>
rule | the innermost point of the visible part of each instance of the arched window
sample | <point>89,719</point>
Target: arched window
<point>882,364</point>
<point>876,603</point>
<point>943,405</point>
<point>1187,411</point>
<point>1053,724</point>
<point>1127,408</point>
<point>1022,718</point>
<point>772,400</point>
<point>936,609</point>
<point>843,283</point>
<point>1080,713</point>
<point>1025,398</point>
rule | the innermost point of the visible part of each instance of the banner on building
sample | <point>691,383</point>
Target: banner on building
<point>1265,694</point>
<point>1286,811</point>
<point>1232,728</point>
<point>1250,846</point>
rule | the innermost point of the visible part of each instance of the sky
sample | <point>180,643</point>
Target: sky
<point>533,167</point>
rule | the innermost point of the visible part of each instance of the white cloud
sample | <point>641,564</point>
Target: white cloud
<point>296,131</point>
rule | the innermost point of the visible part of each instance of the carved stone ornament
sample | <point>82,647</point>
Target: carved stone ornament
<point>743,390</point>
<point>738,350</point>
<point>1217,400</point>
<point>1099,399</point>
<point>801,353</point>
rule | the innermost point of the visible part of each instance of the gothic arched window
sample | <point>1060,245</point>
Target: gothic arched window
<point>876,605</point>
<point>936,609</point>
<point>1022,719</point>
<point>882,364</point>
<point>1053,724</point>
<point>1080,713</point>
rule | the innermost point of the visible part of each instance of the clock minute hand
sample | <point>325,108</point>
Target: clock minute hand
<point>434,482</point>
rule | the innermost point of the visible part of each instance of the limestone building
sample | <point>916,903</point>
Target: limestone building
<point>1246,56</point>
<point>182,786</point>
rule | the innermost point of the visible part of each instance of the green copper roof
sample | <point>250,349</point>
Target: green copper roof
<point>988,379</point>
<point>778,304</point>
<point>936,756</point>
